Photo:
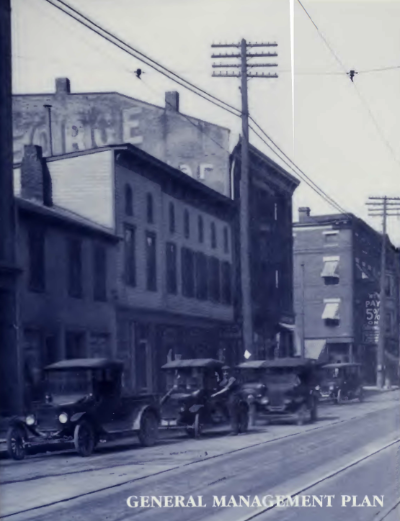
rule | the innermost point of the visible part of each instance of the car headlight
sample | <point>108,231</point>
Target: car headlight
<point>264,400</point>
<point>182,409</point>
<point>63,418</point>
<point>331,387</point>
<point>250,398</point>
<point>286,401</point>
<point>317,387</point>
<point>30,419</point>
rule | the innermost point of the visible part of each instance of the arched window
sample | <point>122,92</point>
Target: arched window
<point>213,236</point>
<point>186,224</point>
<point>128,200</point>
<point>200,226</point>
<point>226,240</point>
<point>150,209</point>
<point>171,217</point>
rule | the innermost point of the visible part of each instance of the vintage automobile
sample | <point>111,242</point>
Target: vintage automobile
<point>190,402</point>
<point>281,389</point>
<point>341,381</point>
<point>84,403</point>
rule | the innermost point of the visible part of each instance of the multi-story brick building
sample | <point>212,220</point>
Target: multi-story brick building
<point>337,284</point>
<point>65,304</point>
<point>65,121</point>
<point>270,252</point>
<point>173,282</point>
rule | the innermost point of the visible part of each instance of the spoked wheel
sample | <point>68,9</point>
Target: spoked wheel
<point>16,443</point>
<point>243,418</point>
<point>197,427</point>
<point>148,433</point>
<point>302,415</point>
<point>84,439</point>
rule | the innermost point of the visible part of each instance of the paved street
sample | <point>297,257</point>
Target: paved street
<point>277,459</point>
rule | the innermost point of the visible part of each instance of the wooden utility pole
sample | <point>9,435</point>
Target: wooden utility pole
<point>303,312</point>
<point>243,55</point>
<point>383,207</point>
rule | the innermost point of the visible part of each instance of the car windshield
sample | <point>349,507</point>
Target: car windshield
<point>71,384</point>
<point>282,378</point>
<point>331,373</point>
<point>188,379</point>
<point>248,376</point>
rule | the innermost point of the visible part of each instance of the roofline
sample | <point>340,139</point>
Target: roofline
<point>119,94</point>
<point>53,213</point>
<point>178,174</point>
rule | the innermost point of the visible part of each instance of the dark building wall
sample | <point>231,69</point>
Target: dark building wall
<point>271,253</point>
<point>83,121</point>
<point>49,316</point>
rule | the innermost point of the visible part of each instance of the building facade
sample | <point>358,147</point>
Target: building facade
<point>337,291</point>
<point>64,122</point>
<point>172,290</point>
<point>65,305</point>
<point>271,254</point>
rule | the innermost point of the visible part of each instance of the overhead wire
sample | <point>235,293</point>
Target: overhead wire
<point>88,23</point>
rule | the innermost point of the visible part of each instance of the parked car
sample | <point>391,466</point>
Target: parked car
<point>84,403</point>
<point>341,381</point>
<point>189,402</point>
<point>281,389</point>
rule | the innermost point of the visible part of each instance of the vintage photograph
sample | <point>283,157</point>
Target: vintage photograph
<point>199,260</point>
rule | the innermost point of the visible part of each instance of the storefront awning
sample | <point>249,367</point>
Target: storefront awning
<point>330,269</point>
<point>331,311</point>
<point>314,348</point>
<point>289,327</point>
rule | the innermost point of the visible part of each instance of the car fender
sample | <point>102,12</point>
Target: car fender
<point>139,415</point>
<point>17,421</point>
<point>77,416</point>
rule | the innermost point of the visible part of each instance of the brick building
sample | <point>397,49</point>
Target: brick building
<point>65,305</point>
<point>81,121</point>
<point>337,284</point>
<point>271,253</point>
<point>173,283</point>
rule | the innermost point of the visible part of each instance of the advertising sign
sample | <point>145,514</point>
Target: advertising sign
<point>371,318</point>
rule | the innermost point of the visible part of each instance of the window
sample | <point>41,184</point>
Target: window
<point>187,270</point>
<point>330,272</point>
<point>200,226</point>
<point>128,200</point>
<point>213,236</point>
<point>75,268</point>
<point>99,345</point>
<point>226,273</point>
<point>186,224</point>
<point>171,217</point>
<point>331,237</point>
<point>226,240</point>
<point>37,259</point>
<point>171,272</point>
<point>150,208</point>
<point>151,262</point>
<point>214,279</point>
<point>389,286</point>
<point>130,255</point>
<point>99,272</point>
<point>331,311</point>
<point>201,276</point>
<point>75,345</point>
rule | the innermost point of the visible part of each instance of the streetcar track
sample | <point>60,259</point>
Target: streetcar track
<point>208,458</point>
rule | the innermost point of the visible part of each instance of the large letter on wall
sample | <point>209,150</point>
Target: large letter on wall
<point>130,126</point>
<point>186,170</point>
<point>203,169</point>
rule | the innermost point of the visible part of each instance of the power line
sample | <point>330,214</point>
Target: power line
<point>85,21</point>
<point>108,36</point>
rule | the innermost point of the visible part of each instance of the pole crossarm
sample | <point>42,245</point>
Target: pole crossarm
<point>256,44</point>
<point>238,75</point>
<point>384,198</point>
<point>250,55</point>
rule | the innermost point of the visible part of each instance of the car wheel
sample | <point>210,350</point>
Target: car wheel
<point>148,433</point>
<point>84,438</point>
<point>190,432</point>
<point>314,412</point>
<point>16,443</point>
<point>243,418</point>
<point>302,415</point>
<point>198,427</point>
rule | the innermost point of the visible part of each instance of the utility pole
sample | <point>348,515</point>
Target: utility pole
<point>303,312</point>
<point>244,65</point>
<point>382,207</point>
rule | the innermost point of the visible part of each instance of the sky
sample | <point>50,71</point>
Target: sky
<point>343,135</point>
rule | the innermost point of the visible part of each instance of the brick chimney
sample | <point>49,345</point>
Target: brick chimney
<point>35,176</point>
<point>63,86</point>
<point>304,214</point>
<point>172,101</point>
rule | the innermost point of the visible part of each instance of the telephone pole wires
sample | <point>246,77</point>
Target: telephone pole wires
<point>382,207</point>
<point>244,65</point>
